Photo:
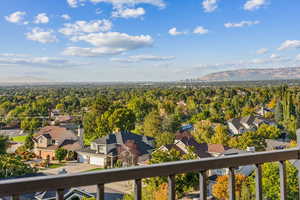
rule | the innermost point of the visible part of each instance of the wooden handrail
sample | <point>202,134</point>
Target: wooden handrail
<point>36,184</point>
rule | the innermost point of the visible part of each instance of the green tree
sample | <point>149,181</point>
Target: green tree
<point>29,141</point>
<point>13,166</point>
<point>152,124</point>
<point>122,119</point>
<point>60,154</point>
<point>220,136</point>
<point>270,174</point>
<point>268,131</point>
<point>30,124</point>
<point>278,112</point>
<point>3,144</point>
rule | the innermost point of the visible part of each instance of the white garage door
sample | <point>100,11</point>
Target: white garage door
<point>97,161</point>
<point>83,158</point>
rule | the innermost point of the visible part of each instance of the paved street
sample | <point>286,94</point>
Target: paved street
<point>71,167</point>
<point>113,191</point>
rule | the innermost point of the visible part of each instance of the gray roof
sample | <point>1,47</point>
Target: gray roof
<point>145,144</point>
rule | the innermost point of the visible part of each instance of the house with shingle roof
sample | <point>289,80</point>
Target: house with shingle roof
<point>128,147</point>
<point>50,138</point>
<point>249,123</point>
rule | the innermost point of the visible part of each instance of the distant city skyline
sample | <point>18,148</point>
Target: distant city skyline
<point>145,40</point>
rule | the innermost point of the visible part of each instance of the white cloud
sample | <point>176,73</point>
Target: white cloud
<point>42,36</point>
<point>210,5</point>
<point>75,3</point>
<point>173,31</point>
<point>28,60</point>
<point>66,17</point>
<point>288,44</point>
<point>298,57</point>
<point>262,51</point>
<point>275,56</point>
<point>128,12</point>
<point>241,24</point>
<point>98,11</point>
<point>16,17</point>
<point>41,18</point>
<point>120,3</point>
<point>139,58</point>
<point>200,30</point>
<point>80,27</point>
<point>110,43</point>
<point>254,4</point>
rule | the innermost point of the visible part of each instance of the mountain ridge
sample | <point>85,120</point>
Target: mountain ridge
<point>253,74</point>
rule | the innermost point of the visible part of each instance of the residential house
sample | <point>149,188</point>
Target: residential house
<point>50,138</point>
<point>54,113</point>
<point>128,147</point>
<point>249,123</point>
<point>263,111</point>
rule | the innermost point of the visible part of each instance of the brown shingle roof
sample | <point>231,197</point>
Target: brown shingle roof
<point>217,148</point>
<point>65,138</point>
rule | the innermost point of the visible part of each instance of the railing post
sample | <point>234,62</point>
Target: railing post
<point>138,189</point>
<point>100,192</point>
<point>171,184</point>
<point>60,194</point>
<point>258,184</point>
<point>202,185</point>
<point>298,163</point>
<point>283,186</point>
<point>231,184</point>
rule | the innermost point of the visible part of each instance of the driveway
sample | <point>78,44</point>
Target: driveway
<point>71,167</point>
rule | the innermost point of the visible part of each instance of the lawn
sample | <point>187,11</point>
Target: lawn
<point>56,165</point>
<point>20,139</point>
<point>92,170</point>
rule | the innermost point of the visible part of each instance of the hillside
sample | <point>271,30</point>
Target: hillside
<point>253,74</point>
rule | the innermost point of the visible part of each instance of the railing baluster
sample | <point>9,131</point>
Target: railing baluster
<point>283,186</point>
<point>137,189</point>
<point>100,192</point>
<point>231,185</point>
<point>60,194</point>
<point>202,185</point>
<point>258,184</point>
<point>172,192</point>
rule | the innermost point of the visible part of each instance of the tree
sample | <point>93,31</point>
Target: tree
<point>270,181</point>
<point>29,141</point>
<point>3,144</point>
<point>140,107</point>
<point>30,124</point>
<point>164,139</point>
<point>220,136</point>
<point>184,182</point>
<point>203,131</point>
<point>13,166</point>
<point>152,124</point>
<point>170,123</point>
<point>122,119</point>
<point>268,131</point>
<point>60,154</point>
<point>278,112</point>
<point>220,189</point>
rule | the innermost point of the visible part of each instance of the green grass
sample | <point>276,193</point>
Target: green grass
<point>55,165</point>
<point>92,170</point>
<point>20,139</point>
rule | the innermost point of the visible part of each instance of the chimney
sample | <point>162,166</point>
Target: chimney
<point>80,135</point>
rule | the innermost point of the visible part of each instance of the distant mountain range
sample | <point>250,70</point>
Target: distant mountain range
<point>253,75</point>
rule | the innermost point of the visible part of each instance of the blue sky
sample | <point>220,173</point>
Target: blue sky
<point>145,40</point>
